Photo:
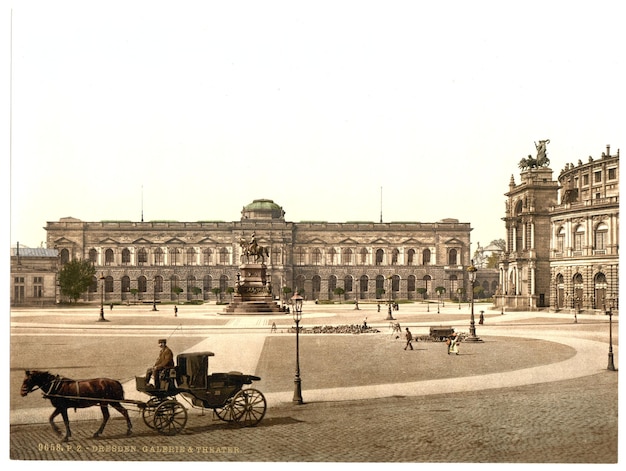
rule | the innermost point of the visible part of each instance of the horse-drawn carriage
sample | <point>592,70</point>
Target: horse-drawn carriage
<point>190,378</point>
<point>222,392</point>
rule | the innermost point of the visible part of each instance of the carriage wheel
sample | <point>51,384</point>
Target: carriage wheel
<point>170,418</point>
<point>248,407</point>
<point>148,412</point>
<point>224,413</point>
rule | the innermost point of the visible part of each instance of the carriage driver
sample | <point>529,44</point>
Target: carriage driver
<point>165,360</point>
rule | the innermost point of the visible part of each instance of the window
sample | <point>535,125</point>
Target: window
<point>142,256</point>
<point>207,255</point>
<point>223,256</point>
<point>332,253</point>
<point>410,257</point>
<point>586,179</point>
<point>452,257</point>
<point>108,257</point>
<point>108,284</point>
<point>600,237</point>
<point>38,286</point>
<point>579,236</point>
<point>142,284</point>
<point>560,240</point>
<point>612,173</point>
<point>125,256</point>
<point>394,256</point>
<point>316,257</point>
<point>347,283</point>
<point>363,256</point>
<point>65,256</point>
<point>174,256</point>
<point>597,177</point>
<point>299,255</point>
<point>426,257</point>
<point>346,257</point>
<point>379,256</point>
<point>93,256</point>
<point>191,256</point>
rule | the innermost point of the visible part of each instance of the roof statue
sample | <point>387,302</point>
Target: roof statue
<point>542,159</point>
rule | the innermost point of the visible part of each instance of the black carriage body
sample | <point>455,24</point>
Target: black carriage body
<point>439,334</point>
<point>204,389</point>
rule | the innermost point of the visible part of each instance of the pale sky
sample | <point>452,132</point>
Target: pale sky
<point>193,109</point>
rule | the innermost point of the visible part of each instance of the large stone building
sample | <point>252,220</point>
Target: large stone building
<point>562,237</point>
<point>366,260</point>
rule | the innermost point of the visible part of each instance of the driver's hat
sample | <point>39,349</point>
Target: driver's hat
<point>162,340</point>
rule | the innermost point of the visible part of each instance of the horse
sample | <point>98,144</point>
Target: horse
<point>65,393</point>
<point>259,251</point>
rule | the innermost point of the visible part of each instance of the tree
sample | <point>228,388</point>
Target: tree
<point>177,290</point>
<point>230,290</point>
<point>440,290</point>
<point>196,291</point>
<point>339,292</point>
<point>75,278</point>
<point>500,243</point>
<point>134,292</point>
<point>479,292</point>
<point>422,291</point>
<point>216,292</point>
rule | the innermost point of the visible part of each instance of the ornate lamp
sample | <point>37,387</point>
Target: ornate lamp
<point>297,316</point>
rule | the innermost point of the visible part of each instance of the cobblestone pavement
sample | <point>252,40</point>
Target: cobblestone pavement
<point>572,421</point>
<point>540,414</point>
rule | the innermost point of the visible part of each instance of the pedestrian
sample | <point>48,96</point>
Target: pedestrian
<point>453,344</point>
<point>111,307</point>
<point>409,338</point>
<point>175,311</point>
<point>482,318</point>
<point>365,324</point>
<point>378,307</point>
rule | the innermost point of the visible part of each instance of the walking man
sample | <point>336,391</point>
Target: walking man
<point>409,338</point>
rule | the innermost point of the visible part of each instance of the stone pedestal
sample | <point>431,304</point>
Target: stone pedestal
<point>253,294</point>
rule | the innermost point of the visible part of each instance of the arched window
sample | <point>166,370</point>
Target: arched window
<point>223,283</point>
<point>142,256</point>
<point>93,287</point>
<point>174,256</point>
<point>125,284</point>
<point>560,240</point>
<point>332,254</point>
<point>380,286</point>
<point>395,253</point>
<point>158,284</point>
<point>346,256</point>
<point>224,259</point>
<point>347,283</point>
<point>579,238</point>
<point>410,257</point>
<point>410,283</point>
<point>299,255</point>
<point>191,256</point>
<point>427,283</point>
<point>65,256</point>
<point>600,237</point>
<point>158,256</point>
<point>125,256</point>
<point>363,256</point>
<point>332,284</point>
<point>142,284</point>
<point>207,257</point>
<point>316,256</point>
<point>452,257</point>
<point>108,257</point>
<point>93,256</point>
<point>108,284</point>
<point>426,257</point>
<point>395,283</point>
<point>363,283</point>
<point>453,284</point>
<point>316,286</point>
<point>380,255</point>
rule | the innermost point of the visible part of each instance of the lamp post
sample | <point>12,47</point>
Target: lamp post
<point>389,301</point>
<point>102,278</point>
<point>471,270</point>
<point>297,316</point>
<point>154,308</point>
<point>611,366</point>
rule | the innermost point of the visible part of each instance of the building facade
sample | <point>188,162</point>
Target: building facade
<point>562,238</point>
<point>170,260</point>
<point>33,276</point>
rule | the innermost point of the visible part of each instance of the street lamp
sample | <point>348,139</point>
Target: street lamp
<point>611,366</point>
<point>297,316</point>
<point>102,278</point>
<point>471,270</point>
<point>154,308</point>
<point>389,301</point>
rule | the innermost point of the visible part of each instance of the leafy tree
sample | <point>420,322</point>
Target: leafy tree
<point>230,290</point>
<point>339,292</point>
<point>134,292</point>
<point>216,292</point>
<point>479,292</point>
<point>75,278</point>
<point>422,291</point>
<point>493,260</point>
<point>177,290</point>
<point>500,243</point>
<point>196,291</point>
<point>440,290</point>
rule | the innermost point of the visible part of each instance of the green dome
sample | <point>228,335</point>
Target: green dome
<point>262,209</point>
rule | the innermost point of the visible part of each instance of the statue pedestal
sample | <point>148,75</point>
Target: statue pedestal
<point>253,294</point>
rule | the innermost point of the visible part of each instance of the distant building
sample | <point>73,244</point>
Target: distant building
<point>562,238</point>
<point>33,276</point>
<point>323,260</point>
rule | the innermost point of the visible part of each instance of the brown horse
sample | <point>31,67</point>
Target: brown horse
<point>65,393</point>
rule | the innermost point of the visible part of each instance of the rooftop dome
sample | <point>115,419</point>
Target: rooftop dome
<point>262,209</point>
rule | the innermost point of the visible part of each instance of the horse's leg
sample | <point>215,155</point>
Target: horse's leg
<point>105,418</point>
<point>66,421</point>
<point>120,408</point>
<point>56,412</point>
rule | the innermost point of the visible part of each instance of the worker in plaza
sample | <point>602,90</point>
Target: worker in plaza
<point>164,361</point>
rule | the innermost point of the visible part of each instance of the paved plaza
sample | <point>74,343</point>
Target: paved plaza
<point>537,388</point>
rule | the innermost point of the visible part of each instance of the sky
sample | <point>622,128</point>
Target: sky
<point>336,110</point>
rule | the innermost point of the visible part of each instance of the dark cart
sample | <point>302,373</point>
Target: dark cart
<point>221,392</point>
<point>439,334</point>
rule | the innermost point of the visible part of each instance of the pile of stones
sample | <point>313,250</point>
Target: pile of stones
<point>336,329</point>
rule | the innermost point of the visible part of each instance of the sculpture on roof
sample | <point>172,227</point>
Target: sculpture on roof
<point>542,159</point>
